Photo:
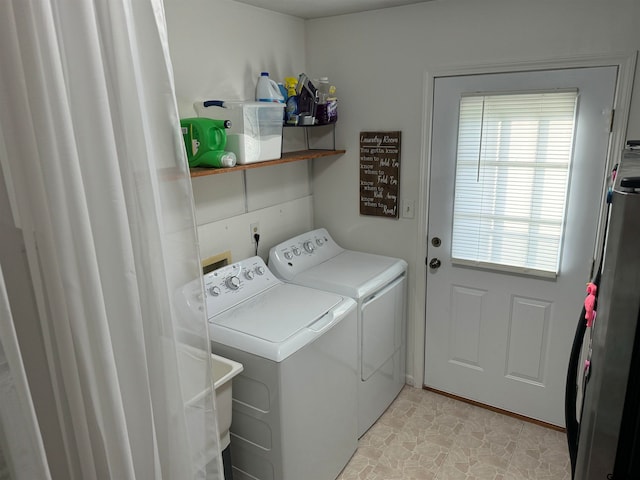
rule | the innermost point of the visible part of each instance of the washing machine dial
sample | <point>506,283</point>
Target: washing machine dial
<point>214,291</point>
<point>319,241</point>
<point>288,255</point>
<point>249,274</point>
<point>232,282</point>
<point>260,270</point>
<point>296,251</point>
<point>308,246</point>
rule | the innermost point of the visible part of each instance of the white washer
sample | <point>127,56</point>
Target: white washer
<point>294,405</point>
<point>378,284</point>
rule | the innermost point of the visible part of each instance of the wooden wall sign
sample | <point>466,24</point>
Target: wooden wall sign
<point>379,173</point>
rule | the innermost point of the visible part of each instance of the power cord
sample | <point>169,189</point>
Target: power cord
<point>256,237</point>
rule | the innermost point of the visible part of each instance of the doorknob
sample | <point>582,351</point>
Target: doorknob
<point>434,263</point>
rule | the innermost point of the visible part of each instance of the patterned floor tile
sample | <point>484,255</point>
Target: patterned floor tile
<point>427,436</point>
<point>541,454</point>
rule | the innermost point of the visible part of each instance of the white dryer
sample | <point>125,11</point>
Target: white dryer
<point>294,405</point>
<point>378,284</point>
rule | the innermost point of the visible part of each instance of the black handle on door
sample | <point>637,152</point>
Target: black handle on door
<point>434,263</point>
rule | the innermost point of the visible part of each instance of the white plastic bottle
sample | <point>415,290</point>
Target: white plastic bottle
<point>267,90</point>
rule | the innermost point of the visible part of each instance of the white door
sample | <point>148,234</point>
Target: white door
<point>498,337</point>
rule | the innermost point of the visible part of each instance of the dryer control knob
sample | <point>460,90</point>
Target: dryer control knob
<point>288,255</point>
<point>214,291</point>
<point>233,282</point>
<point>319,241</point>
<point>249,275</point>
<point>308,246</point>
<point>296,251</point>
<point>260,270</point>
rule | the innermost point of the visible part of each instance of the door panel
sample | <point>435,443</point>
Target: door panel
<point>464,334</point>
<point>502,338</point>
<point>528,339</point>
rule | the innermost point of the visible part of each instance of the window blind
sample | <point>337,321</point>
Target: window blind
<point>512,170</point>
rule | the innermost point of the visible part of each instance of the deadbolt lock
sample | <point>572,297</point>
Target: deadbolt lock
<point>436,242</point>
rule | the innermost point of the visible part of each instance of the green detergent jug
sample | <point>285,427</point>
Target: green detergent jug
<point>205,140</point>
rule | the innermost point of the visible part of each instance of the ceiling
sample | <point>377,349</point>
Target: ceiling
<point>308,9</point>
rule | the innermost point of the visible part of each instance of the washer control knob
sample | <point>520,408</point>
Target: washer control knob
<point>214,291</point>
<point>232,282</point>
<point>249,275</point>
<point>260,270</point>
<point>288,255</point>
<point>296,251</point>
<point>308,246</point>
<point>319,241</point>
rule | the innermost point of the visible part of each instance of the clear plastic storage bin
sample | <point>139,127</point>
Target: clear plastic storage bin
<point>255,134</point>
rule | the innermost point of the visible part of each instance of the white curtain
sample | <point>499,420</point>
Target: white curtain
<point>22,455</point>
<point>94,162</point>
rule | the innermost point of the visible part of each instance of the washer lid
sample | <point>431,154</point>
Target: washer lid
<point>279,321</point>
<point>352,273</point>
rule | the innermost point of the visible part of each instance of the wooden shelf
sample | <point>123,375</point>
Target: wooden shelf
<point>287,157</point>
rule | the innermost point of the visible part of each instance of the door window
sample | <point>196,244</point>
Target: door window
<point>513,162</point>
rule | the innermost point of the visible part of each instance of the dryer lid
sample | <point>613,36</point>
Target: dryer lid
<point>352,273</point>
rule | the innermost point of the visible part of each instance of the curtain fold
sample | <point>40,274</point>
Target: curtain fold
<point>21,451</point>
<point>94,150</point>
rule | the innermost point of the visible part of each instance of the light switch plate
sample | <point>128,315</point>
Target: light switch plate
<point>408,206</point>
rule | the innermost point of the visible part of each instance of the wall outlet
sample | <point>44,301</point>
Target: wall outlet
<point>255,228</point>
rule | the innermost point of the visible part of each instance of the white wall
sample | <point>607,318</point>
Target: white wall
<point>218,49</point>
<point>378,61</point>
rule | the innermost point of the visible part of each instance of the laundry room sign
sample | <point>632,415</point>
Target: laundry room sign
<point>379,173</point>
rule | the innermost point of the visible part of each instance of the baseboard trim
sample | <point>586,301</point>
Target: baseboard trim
<point>497,410</point>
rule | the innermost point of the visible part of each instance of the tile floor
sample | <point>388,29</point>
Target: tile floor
<point>427,436</point>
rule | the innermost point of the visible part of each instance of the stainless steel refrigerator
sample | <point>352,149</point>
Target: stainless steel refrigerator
<point>604,434</point>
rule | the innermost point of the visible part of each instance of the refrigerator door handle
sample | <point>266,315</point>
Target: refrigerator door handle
<point>571,391</point>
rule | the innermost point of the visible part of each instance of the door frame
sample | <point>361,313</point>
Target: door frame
<point>626,63</point>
